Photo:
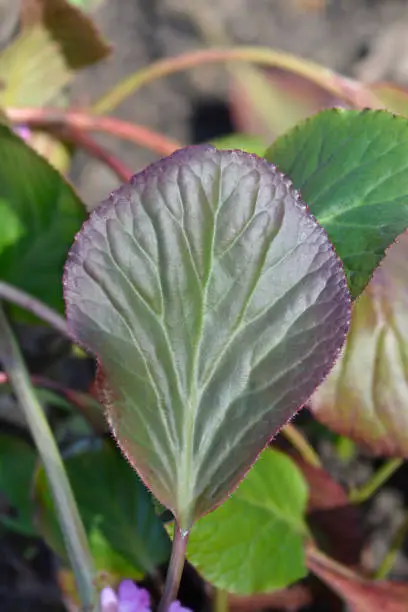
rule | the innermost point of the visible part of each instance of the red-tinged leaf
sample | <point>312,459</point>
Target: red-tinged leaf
<point>215,304</point>
<point>325,493</point>
<point>359,593</point>
<point>334,520</point>
<point>366,395</point>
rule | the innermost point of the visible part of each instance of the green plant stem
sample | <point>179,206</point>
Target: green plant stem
<point>347,89</point>
<point>175,569</point>
<point>390,557</point>
<point>358,496</point>
<point>67,511</point>
<point>220,601</point>
<point>301,444</point>
<point>36,307</point>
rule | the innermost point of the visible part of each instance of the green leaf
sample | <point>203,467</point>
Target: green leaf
<point>253,543</point>
<point>365,395</point>
<point>32,71</point>
<point>17,464</point>
<point>244,142</point>
<point>39,216</point>
<point>116,509</point>
<point>216,305</point>
<point>352,170</point>
<point>12,226</point>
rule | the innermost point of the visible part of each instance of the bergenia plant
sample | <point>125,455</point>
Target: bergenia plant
<point>215,304</point>
<point>214,291</point>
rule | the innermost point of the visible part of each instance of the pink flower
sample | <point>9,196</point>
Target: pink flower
<point>131,598</point>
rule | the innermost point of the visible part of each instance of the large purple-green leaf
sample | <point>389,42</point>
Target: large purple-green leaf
<point>365,397</point>
<point>215,304</point>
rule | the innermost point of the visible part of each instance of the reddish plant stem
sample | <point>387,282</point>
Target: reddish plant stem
<point>175,569</point>
<point>347,89</point>
<point>50,118</point>
<point>86,142</point>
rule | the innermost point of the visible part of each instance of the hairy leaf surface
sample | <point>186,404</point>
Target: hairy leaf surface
<point>215,304</point>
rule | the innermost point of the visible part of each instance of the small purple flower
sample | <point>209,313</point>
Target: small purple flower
<point>177,607</point>
<point>131,598</point>
<point>23,131</point>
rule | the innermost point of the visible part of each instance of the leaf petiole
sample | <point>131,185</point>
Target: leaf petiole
<point>175,569</point>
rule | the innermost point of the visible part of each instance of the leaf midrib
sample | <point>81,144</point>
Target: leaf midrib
<point>189,429</point>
